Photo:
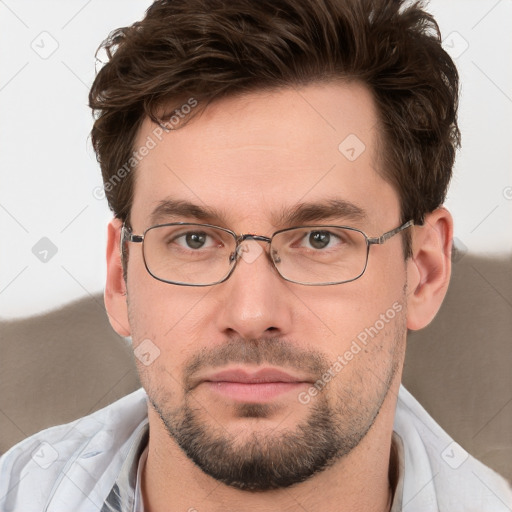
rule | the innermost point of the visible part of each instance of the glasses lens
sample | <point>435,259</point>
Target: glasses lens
<point>189,253</point>
<point>198,254</point>
<point>320,254</point>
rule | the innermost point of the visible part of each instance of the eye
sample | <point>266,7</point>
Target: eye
<point>195,240</point>
<point>321,239</point>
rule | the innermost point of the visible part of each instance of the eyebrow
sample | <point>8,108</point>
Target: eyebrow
<point>169,209</point>
<point>335,208</point>
<point>173,208</point>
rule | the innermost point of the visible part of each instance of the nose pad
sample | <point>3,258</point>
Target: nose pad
<point>249,251</point>
<point>251,248</point>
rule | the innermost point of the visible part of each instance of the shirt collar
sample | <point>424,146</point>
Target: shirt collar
<point>396,472</point>
<point>123,496</point>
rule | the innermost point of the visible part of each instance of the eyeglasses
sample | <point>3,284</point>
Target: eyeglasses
<point>190,254</point>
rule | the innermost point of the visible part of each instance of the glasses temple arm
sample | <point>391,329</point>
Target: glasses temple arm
<point>386,236</point>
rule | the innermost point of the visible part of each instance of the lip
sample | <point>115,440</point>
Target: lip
<point>264,375</point>
<point>255,387</point>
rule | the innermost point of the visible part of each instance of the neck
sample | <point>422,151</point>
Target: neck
<point>357,482</point>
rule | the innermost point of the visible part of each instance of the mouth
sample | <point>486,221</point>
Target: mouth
<point>256,387</point>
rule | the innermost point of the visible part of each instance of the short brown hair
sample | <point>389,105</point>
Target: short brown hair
<point>209,49</point>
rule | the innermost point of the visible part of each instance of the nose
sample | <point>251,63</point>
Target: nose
<point>255,301</point>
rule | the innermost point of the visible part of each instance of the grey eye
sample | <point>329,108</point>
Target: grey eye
<point>195,240</point>
<point>319,239</point>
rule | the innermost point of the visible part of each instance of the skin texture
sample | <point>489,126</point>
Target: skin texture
<point>249,157</point>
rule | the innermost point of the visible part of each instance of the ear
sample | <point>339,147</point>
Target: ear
<point>429,268</point>
<point>115,287</point>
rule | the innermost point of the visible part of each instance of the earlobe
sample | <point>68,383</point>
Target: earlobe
<point>429,268</point>
<point>115,286</point>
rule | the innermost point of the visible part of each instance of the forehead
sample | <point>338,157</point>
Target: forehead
<point>255,157</point>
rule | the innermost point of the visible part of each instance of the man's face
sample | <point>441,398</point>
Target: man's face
<point>249,159</point>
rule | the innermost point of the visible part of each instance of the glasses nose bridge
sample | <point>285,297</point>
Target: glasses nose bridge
<point>244,237</point>
<point>258,238</point>
<point>240,239</point>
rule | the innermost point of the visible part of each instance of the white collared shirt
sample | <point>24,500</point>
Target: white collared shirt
<point>94,464</point>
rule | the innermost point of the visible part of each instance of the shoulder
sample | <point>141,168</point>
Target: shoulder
<point>70,458</point>
<point>438,473</point>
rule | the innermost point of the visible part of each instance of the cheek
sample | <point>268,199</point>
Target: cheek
<point>342,312</point>
<point>167,327</point>
<point>360,326</point>
<point>372,357</point>
<point>159,309</point>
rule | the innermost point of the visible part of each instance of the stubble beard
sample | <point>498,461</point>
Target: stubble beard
<point>267,459</point>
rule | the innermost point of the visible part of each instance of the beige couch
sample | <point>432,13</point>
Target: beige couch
<point>67,363</point>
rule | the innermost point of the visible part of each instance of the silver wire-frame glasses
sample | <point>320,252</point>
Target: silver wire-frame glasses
<point>192,254</point>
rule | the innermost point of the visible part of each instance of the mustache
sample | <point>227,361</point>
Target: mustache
<point>270,351</point>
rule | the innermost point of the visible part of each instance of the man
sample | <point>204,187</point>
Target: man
<point>277,171</point>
